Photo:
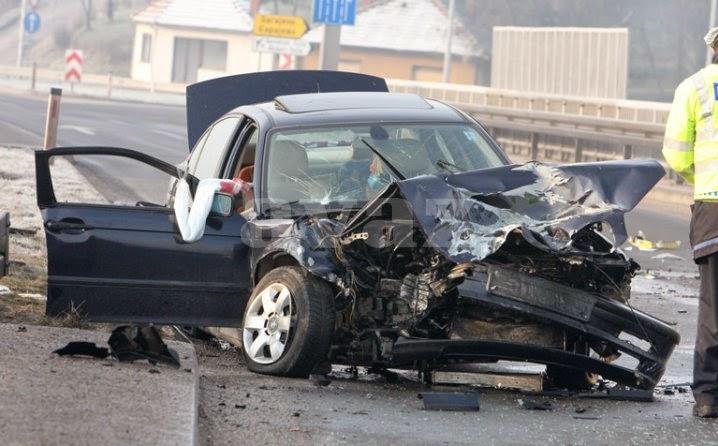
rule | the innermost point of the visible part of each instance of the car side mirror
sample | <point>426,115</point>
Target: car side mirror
<point>222,204</point>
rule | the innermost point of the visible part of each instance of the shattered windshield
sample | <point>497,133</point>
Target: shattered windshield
<point>340,165</point>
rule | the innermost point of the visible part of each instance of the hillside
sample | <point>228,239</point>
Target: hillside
<point>107,45</point>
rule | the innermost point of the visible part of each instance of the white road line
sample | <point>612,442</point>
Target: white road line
<point>168,134</point>
<point>77,128</point>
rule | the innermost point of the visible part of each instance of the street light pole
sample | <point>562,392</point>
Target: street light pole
<point>447,53</point>
<point>21,33</point>
<point>709,52</point>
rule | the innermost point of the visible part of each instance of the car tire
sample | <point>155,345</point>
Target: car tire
<point>274,346</point>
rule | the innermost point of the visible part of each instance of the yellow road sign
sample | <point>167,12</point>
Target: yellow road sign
<point>286,26</point>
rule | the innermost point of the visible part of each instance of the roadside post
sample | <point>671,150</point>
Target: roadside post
<point>73,67</point>
<point>333,14</point>
<point>280,35</point>
<point>34,76</point>
<point>52,118</point>
<point>109,84</point>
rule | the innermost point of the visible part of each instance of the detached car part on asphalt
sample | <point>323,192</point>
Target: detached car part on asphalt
<point>381,229</point>
<point>127,343</point>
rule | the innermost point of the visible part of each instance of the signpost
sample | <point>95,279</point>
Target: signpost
<point>277,45</point>
<point>31,22</point>
<point>335,12</point>
<point>283,26</point>
<point>73,65</point>
<point>285,61</point>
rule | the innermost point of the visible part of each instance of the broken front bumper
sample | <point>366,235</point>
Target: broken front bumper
<point>597,320</point>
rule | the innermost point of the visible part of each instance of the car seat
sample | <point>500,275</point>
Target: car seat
<point>288,180</point>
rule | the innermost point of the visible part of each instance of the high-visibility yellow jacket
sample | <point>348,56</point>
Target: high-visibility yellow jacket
<point>690,145</point>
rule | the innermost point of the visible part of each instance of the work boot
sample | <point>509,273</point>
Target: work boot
<point>705,411</point>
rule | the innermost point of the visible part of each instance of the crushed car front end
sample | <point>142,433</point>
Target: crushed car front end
<point>508,263</point>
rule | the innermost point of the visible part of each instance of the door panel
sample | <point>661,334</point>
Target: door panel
<point>128,264</point>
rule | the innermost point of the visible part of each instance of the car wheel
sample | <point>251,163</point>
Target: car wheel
<point>288,323</point>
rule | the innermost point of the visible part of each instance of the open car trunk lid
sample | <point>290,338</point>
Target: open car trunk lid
<point>207,101</point>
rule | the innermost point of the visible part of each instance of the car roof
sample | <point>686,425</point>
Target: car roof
<point>338,108</point>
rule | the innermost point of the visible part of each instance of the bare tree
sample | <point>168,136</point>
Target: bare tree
<point>87,7</point>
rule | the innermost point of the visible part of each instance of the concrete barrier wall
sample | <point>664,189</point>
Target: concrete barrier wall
<point>566,61</point>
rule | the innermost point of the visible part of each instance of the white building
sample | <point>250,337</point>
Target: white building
<point>185,41</point>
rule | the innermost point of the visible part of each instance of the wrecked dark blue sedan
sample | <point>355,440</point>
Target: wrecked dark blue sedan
<point>377,229</point>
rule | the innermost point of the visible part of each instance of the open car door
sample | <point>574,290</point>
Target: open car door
<point>127,263</point>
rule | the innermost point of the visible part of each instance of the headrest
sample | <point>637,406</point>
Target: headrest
<point>289,156</point>
<point>360,151</point>
<point>408,156</point>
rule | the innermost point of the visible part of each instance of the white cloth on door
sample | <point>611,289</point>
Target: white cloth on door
<point>191,215</point>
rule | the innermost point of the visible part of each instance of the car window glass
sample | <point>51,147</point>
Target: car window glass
<point>139,182</point>
<point>334,164</point>
<point>215,147</point>
<point>196,152</point>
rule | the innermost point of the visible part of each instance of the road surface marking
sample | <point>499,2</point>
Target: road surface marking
<point>169,134</point>
<point>79,129</point>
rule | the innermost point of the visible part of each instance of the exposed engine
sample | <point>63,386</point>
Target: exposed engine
<point>402,287</point>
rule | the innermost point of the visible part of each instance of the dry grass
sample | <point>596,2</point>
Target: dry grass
<point>28,255</point>
<point>72,318</point>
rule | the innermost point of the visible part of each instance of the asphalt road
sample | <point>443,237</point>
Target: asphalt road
<point>157,130</point>
<point>238,405</point>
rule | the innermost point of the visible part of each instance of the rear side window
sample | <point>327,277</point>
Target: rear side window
<point>219,139</point>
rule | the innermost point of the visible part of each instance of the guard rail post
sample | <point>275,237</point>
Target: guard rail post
<point>627,151</point>
<point>33,76</point>
<point>534,145</point>
<point>578,151</point>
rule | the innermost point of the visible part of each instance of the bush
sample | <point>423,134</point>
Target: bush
<point>62,38</point>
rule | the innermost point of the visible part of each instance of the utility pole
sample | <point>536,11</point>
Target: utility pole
<point>329,50</point>
<point>275,56</point>
<point>447,53</point>
<point>709,52</point>
<point>21,33</point>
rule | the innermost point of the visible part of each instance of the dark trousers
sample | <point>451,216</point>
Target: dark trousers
<point>705,361</point>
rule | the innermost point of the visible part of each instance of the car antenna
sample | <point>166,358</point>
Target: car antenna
<point>384,160</point>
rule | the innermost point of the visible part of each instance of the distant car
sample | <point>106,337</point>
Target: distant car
<point>382,229</point>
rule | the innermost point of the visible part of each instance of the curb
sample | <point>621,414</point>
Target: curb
<point>65,399</point>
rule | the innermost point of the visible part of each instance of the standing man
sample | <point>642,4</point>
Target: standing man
<point>691,149</point>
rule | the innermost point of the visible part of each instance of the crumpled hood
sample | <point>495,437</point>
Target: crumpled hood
<point>468,216</point>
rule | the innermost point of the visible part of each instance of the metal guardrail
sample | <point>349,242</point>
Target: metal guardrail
<point>549,127</point>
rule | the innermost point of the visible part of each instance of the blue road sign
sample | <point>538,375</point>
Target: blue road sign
<point>31,22</point>
<point>335,12</point>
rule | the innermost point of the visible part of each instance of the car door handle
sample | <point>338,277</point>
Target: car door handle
<point>73,226</point>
